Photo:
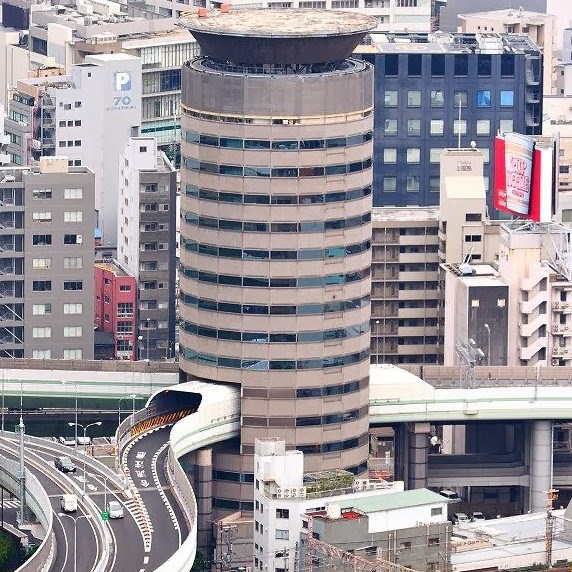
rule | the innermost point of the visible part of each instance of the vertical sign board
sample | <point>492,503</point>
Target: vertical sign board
<point>525,178</point>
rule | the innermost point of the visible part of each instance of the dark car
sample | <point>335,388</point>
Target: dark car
<point>65,465</point>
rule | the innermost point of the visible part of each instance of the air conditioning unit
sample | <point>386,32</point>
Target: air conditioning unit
<point>302,492</point>
<point>280,493</point>
<point>555,351</point>
<point>555,362</point>
<point>288,493</point>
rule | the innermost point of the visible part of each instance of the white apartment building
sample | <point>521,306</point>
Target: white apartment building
<point>88,115</point>
<point>540,27</point>
<point>61,36</point>
<point>146,240</point>
<point>283,494</point>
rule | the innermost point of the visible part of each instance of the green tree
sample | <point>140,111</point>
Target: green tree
<point>200,564</point>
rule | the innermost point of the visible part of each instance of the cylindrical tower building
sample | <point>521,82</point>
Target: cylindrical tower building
<point>276,223</point>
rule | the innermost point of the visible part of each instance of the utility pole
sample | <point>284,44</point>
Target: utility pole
<point>552,495</point>
<point>227,535</point>
<point>22,475</point>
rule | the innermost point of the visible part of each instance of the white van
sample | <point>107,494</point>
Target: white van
<point>68,503</point>
<point>451,496</point>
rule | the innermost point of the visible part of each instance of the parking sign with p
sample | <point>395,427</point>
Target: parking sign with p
<point>122,81</point>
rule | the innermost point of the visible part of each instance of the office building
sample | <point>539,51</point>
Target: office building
<point>339,510</point>
<point>421,81</point>
<point>146,241</point>
<point>449,16</point>
<point>89,115</point>
<point>408,244</point>
<point>391,15</point>
<point>540,27</point>
<point>65,35</point>
<point>275,234</point>
<point>404,285</point>
<point>116,307</point>
<point>46,261</point>
<point>556,122</point>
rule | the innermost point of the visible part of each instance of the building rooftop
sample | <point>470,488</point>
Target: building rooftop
<point>278,23</point>
<point>405,214</point>
<point>441,42</point>
<point>112,266</point>
<point>510,16</point>
<point>285,36</point>
<point>393,501</point>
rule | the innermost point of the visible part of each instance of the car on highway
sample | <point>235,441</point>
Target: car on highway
<point>68,503</point>
<point>477,516</point>
<point>69,441</point>
<point>459,518</point>
<point>451,496</point>
<point>115,509</point>
<point>84,440</point>
<point>65,465</point>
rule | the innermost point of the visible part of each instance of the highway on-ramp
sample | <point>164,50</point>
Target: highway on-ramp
<point>145,458</point>
<point>87,544</point>
<point>128,550</point>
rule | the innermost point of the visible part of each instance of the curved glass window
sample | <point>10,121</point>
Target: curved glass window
<point>276,337</point>
<point>255,254</point>
<point>229,197</point>
<point>333,446</point>
<point>260,309</point>
<point>263,364</point>
<point>280,172</point>
<point>278,145</point>
<point>256,226</point>
<point>331,419</point>
<point>265,282</point>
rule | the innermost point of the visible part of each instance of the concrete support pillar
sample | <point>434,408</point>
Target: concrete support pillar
<point>401,446</point>
<point>540,464</point>
<point>204,494</point>
<point>418,455</point>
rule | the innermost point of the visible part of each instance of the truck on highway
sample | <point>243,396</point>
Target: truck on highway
<point>68,503</point>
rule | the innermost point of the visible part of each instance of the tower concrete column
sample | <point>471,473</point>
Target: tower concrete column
<point>203,492</point>
<point>540,464</point>
<point>418,455</point>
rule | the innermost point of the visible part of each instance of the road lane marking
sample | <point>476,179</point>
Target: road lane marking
<point>146,560</point>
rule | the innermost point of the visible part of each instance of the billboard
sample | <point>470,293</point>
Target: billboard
<point>525,176</point>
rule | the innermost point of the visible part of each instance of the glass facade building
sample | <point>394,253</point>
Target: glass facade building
<point>436,92</point>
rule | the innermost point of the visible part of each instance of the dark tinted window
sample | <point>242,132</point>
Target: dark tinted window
<point>461,64</point>
<point>391,65</point>
<point>437,65</point>
<point>507,65</point>
<point>484,65</point>
<point>414,64</point>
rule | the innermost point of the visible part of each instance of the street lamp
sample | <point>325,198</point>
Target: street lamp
<point>98,478</point>
<point>488,329</point>
<point>139,346</point>
<point>64,382</point>
<point>376,342</point>
<point>85,428</point>
<point>131,396</point>
<point>147,322</point>
<point>75,519</point>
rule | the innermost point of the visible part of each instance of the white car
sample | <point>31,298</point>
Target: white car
<point>115,509</point>
<point>84,440</point>
<point>69,441</point>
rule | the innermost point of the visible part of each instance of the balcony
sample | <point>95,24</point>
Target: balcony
<point>533,96</point>
<point>527,306</point>
<point>529,351</point>
<point>526,330</point>
<point>562,307</point>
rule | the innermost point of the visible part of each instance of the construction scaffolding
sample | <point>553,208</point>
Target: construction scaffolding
<point>321,555</point>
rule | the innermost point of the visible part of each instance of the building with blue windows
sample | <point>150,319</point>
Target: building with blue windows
<point>436,91</point>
